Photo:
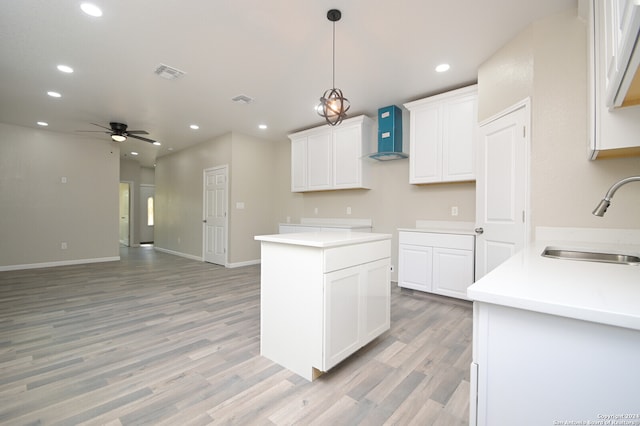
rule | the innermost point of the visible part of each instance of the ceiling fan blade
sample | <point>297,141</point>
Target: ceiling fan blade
<point>99,125</point>
<point>141,138</point>
<point>137,132</point>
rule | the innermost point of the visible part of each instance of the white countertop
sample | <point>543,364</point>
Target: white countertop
<point>324,225</point>
<point>323,239</point>
<point>592,291</point>
<point>457,231</point>
<point>442,227</point>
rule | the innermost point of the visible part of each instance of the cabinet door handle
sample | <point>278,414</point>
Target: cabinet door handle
<point>479,231</point>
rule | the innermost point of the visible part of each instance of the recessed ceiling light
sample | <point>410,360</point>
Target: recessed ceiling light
<point>91,9</point>
<point>65,68</point>
<point>54,94</point>
<point>134,153</point>
<point>442,68</point>
<point>194,126</point>
<point>262,126</point>
<point>157,143</point>
<point>43,123</point>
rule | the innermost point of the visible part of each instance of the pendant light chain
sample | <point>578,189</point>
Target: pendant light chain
<point>333,85</point>
<point>333,105</point>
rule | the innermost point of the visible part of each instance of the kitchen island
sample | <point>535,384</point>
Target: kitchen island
<point>557,340</point>
<point>323,296</point>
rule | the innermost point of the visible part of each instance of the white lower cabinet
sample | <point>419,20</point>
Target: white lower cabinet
<point>436,263</point>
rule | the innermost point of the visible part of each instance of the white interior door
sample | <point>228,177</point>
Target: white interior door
<point>502,187</point>
<point>147,212</point>
<point>215,215</point>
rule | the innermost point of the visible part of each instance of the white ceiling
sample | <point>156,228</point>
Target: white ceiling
<point>275,51</point>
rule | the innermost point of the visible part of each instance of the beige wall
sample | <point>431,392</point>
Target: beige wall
<point>38,212</point>
<point>548,63</point>
<point>179,193</point>
<point>253,184</point>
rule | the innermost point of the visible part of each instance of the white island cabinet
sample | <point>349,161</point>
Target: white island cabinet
<point>556,341</point>
<point>323,296</point>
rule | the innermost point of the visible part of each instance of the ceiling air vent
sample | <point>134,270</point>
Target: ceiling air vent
<point>243,99</point>
<point>170,73</point>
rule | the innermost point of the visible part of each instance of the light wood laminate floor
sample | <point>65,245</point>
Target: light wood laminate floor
<point>159,339</point>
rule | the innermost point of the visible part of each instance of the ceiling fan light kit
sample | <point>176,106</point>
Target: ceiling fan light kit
<point>119,132</point>
<point>333,105</point>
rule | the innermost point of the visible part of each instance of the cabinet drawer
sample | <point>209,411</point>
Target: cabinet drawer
<point>346,256</point>
<point>455,241</point>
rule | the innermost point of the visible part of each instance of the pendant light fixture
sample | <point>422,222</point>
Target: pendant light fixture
<point>333,105</point>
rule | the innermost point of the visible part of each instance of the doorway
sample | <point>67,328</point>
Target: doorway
<point>215,220</point>
<point>125,213</point>
<point>147,213</point>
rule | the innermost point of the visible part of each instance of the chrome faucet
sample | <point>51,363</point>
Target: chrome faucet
<point>606,201</point>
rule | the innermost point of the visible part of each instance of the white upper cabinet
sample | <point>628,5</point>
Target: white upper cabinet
<point>614,92</point>
<point>442,136</point>
<point>621,27</point>
<point>299,170</point>
<point>326,158</point>
<point>320,164</point>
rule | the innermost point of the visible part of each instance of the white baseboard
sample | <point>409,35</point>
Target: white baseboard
<point>177,253</point>
<point>58,263</point>
<point>241,264</point>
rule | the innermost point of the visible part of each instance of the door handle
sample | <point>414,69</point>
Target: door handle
<point>479,231</point>
<point>204,220</point>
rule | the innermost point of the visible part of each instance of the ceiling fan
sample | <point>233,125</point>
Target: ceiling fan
<point>119,132</point>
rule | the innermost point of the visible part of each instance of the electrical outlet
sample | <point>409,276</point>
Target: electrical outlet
<point>454,211</point>
<point>63,245</point>
<point>315,211</point>
<point>348,210</point>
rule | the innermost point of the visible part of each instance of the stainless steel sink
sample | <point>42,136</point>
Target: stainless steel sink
<point>590,256</point>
